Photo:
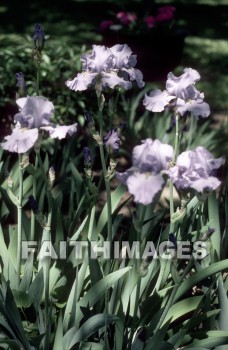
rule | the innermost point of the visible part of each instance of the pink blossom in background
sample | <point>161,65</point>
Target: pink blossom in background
<point>126,17</point>
<point>150,21</point>
<point>165,13</point>
<point>106,24</point>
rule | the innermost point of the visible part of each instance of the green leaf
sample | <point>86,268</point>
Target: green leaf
<point>13,344</point>
<point>200,276</point>
<point>182,308</point>
<point>115,198</point>
<point>212,339</point>
<point>27,274</point>
<point>36,289</point>
<point>22,298</point>
<point>91,346</point>
<point>97,291</point>
<point>214,217</point>
<point>58,343</point>
<point>88,328</point>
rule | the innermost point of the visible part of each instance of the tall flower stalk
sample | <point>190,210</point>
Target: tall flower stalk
<point>19,214</point>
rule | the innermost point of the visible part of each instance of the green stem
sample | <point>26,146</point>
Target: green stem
<point>138,286</point>
<point>109,216</point>
<point>38,79</point>
<point>107,187</point>
<point>47,261</point>
<point>176,146</point>
<point>19,214</point>
<point>47,281</point>
<point>34,193</point>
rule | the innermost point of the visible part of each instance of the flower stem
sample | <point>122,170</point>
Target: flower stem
<point>38,78</point>
<point>19,213</point>
<point>138,286</point>
<point>34,193</point>
<point>176,146</point>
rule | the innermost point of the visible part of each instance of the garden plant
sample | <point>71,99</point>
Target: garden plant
<point>113,227</point>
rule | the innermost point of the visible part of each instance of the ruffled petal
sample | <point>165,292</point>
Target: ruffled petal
<point>35,111</point>
<point>177,85</point>
<point>21,140</point>
<point>152,156</point>
<point>206,185</point>
<point>101,59</point>
<point>197,108</point>
<point>157,100</point>
<point>112,80</point>
<point>60,131</point>
<point>123,56</point>
<point>82,81</point>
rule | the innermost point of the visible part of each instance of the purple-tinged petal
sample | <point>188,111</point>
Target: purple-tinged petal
<point>82,81</point>
<point>100,60</point>
<point>123,57</point>
<point>177,85</point>
<point>152,156</point>
<point>122,177</point>
<point>205,158</point>
<point>36,111</point>
<point>112,80</point>
<point>60,131</point>
<point>206,185</point>
<point>112,141</point>
<point>157,100</point>
<point>135,74</point>
<point>21,140</point>
<point>198,109</point>
<point>144,187</point>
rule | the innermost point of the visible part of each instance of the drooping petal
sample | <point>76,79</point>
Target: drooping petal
<point>82,81</point>
<point>206,185</point>
<point>157,100</point>
<point>135,74</point>
<point>21,140</point>
<point>60,131</point>
<point>144,187</point>
<point>198,109</point>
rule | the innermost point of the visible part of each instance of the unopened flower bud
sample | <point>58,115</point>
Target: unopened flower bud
<point>38,37</point>
<point>87,157</point>
<point>10,181</point>
<point>173,240</point>
<point>22,88</point>
<point>33,204</point>
<point>51,176</point>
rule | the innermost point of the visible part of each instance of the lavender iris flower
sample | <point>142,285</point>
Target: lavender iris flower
<point>196,170</point>
<point>183,94</point>
<point>145,178</point>
<point>107,67</point>
<point>34,115</point>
